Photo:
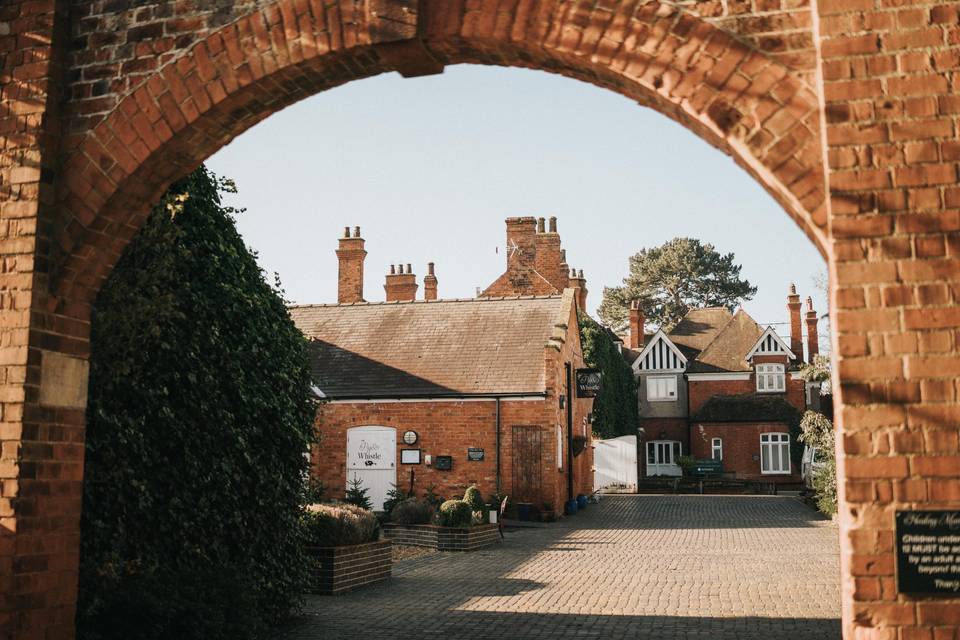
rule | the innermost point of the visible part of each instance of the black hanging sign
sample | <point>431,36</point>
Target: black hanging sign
<point>928,553</point>
<point>588,382</point>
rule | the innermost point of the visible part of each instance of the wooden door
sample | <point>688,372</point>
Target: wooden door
<point>527,467</point>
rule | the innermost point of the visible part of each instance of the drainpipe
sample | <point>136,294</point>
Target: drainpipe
<point>498,448</point>
<point>569,372</point>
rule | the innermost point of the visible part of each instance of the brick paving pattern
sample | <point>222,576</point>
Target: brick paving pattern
<point>664,567</point>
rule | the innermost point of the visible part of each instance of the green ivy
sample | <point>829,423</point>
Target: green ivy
<point>199,413</point>
<point>615,411</point>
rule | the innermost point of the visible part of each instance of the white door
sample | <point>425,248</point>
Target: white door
<point>372,458</point>
<point>662,458</point>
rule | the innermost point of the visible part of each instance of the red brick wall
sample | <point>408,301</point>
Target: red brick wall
<point>741,442</point>
<point>445,428</point>
<point>702,390</point>
<point>892,114</point>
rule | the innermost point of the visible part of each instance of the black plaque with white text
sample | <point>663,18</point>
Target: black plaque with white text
<point>928,553</point>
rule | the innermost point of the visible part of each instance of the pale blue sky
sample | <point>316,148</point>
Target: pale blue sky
<point>430,167</point>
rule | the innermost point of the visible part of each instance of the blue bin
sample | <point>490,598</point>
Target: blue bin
<point>581,502</point>
<point>571,507</point>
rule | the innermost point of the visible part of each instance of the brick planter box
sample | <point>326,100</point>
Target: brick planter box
<point>443,538</point>
<point>341,569</point>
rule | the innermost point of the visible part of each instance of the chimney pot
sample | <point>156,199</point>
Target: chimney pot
<point>553,224</point>
<point>356,232</point>
<point>541,225</point>
<point>409,268</point>
<point>430,268</point>
<point>346,232</point>
<point>580,274</point>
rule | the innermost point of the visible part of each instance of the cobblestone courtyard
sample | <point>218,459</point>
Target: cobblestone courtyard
<point>659,567</point>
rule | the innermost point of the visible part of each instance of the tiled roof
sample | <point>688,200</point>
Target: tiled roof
<point>749,407</point>
<point>441,347</point>
<point>729,347</point>
<point>698,328</point>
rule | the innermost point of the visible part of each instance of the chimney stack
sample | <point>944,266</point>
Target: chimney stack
<point>401,285</point>
<point>637,320</point>
<point>578,282</point>
<point>521,244</point>
<point>350,254</point>
<point>813,340</point>
<point>796,337</point>
<point>564,269</point>
<point>430,284</point>
<point>549,259</point>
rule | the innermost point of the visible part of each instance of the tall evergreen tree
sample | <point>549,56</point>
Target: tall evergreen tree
<point>673,278</point>
<point>199,413</point>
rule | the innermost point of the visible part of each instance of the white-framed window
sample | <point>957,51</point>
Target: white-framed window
<point>774,453</point>
<point>559,447</point>
<point>771,378</point>
<point>662,388</point>
<point>716,449</point>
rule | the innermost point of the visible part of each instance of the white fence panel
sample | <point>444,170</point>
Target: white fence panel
<point>615,463</point>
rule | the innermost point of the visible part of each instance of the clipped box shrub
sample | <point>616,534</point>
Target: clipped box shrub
<point>473,498</point>
<point>412,511</point>
<point>455,513</point>
<point>340,524</point>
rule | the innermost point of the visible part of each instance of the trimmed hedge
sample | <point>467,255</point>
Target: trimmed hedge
<point>455,513</point>
<point>412,511</point>
<point>339,524</point>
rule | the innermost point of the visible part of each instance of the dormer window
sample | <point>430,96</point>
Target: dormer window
<point>771,378</point>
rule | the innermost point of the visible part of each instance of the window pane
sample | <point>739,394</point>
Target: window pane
<point>784,457</point>
<point>765,457</point>
<point>651,454</point>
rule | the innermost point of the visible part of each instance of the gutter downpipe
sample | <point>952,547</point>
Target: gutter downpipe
<point>498,447</point>
<point>569,381</point>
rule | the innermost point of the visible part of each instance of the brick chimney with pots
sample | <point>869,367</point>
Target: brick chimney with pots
<point>637,320</point>
<point>401,285</point>
<point>430,283</point>
<point>796,334</point>
<point>813,340</point>
<point>548,256</point>
<point>350,254</point>
<point>578,282</point>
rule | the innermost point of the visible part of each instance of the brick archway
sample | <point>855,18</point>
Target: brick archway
<point>101,111</point>
<point>758,110</point>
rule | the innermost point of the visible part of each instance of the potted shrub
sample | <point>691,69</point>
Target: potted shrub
<point>343,540</point>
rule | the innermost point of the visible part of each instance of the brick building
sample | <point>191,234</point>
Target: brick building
<point>718,386</point>
<point>448,393</point>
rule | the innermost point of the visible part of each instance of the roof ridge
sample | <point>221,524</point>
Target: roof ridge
<point>375,303</point>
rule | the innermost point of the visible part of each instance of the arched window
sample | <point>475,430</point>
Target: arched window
<point>771,378</point>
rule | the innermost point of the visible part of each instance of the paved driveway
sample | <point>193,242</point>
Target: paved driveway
<point>659,567</point>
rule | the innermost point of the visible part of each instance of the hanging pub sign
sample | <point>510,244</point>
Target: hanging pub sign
<point>588,383</point>
<point>928,553</point>
<point>474,454</point>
